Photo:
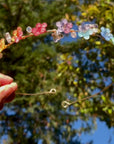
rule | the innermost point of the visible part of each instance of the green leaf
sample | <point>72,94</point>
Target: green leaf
<point>110,111</point>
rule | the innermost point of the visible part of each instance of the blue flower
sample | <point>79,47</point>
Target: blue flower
<point>112,40</point>
<point>85,30</point>
<point>105,32</point>
<point>85,35</point>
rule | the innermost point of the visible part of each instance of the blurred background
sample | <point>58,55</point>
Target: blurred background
<point>76,68</point>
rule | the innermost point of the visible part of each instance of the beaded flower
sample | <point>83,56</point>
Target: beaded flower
<point>39,29</point>
<point>85,30</point>
<point>2,44</point>
<point>73,34</point>
<point>105,33</point>
<point>17,35</point>
<point>8,37</point>
<point>112,40</point>
<point>64,26</point>
<point>57,36</point>
<point>29,29</point>
<point>93,28</point>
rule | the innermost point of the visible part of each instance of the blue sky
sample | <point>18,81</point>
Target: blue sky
<point>102,135</point>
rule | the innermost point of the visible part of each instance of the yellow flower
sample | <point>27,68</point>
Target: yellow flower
<point>2,44</point>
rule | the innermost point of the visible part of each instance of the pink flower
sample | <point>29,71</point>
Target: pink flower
<point>39,29</point>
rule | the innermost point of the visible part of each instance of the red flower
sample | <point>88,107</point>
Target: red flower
<point>17,34</point>
<point>39,29</point>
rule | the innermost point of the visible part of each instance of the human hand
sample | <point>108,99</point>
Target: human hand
<point>7,89</point>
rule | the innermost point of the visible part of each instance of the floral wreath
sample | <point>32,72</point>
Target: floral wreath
<point>85,30</point>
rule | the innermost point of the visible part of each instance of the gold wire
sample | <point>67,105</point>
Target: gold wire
<point>52,91</point>
<point>66,104</point>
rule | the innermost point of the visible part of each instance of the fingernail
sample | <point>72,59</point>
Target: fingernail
<point>5,76</point>
<point>13,85</point>
<point>7,90</point>
<point>4,79</point>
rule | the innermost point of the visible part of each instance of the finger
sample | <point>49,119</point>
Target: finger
<point>10,98</point>
<point>1,105</point>
<point>5,79</point>
<point>6,91</point>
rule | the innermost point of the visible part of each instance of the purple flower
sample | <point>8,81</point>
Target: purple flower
<point>64,26</point>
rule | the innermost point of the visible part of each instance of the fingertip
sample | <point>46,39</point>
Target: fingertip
<point>6,91</point>
<point>4,79</point>
<point>14,86</point>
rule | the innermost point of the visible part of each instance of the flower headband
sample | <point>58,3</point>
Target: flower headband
<point>63,28</point>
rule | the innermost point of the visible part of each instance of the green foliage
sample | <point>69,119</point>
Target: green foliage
<point>37,65</point>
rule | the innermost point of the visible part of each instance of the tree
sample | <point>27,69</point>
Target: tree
<point>76,69</point>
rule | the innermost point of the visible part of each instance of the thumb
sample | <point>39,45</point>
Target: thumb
<point>6,91</point>
<point>1,105</point>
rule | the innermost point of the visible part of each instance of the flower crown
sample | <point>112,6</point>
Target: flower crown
<point>63,28</point>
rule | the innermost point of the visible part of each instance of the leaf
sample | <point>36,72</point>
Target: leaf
<point>103,98</point>
<point>93,10</point>
<point>110,111</point>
